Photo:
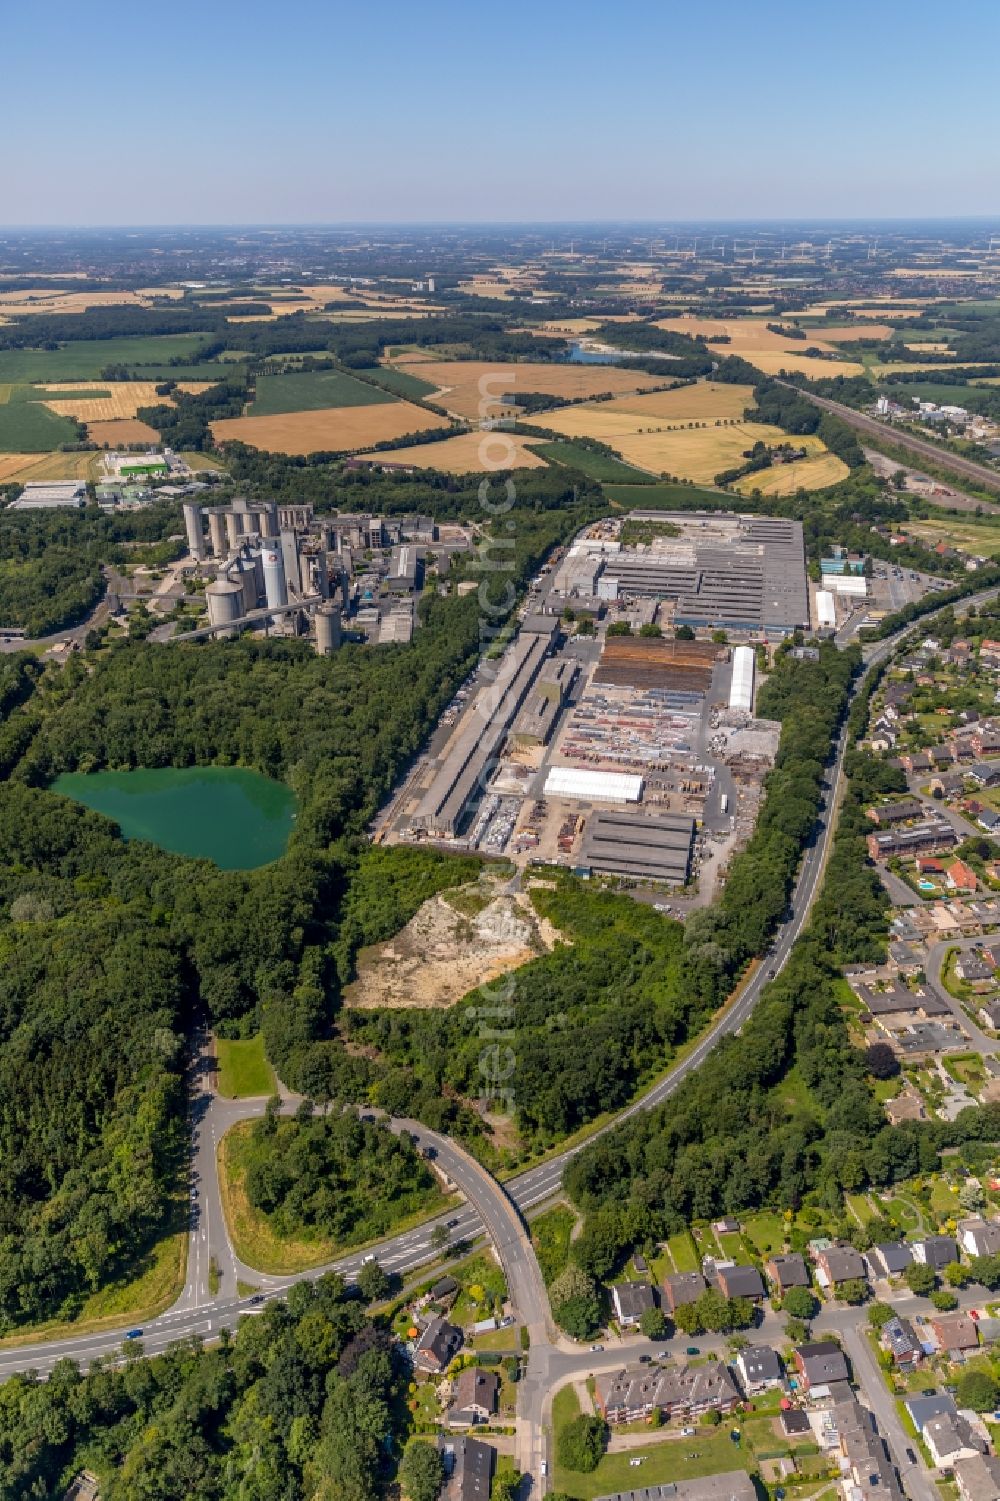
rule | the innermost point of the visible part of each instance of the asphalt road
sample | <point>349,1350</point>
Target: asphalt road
<point>920,446</point>
<point>491,1208</point>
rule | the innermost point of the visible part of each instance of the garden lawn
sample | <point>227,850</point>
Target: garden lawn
<point>243,1070</point>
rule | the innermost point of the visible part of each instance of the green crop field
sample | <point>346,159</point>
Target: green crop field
<point>411,387</point>
<point>313,391</point>
<point>84,359</point>
<point>599,466</point>
<point>666,497</point>
<point>29,427</point>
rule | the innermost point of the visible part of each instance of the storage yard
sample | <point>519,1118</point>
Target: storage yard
<point>624,756</point>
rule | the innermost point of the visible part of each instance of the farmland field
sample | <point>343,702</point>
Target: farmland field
<point>121,399</point>
<point>23,467</point>
<point>770,352</point>
<point>468,453</point>
<point>29,427</point>
<point>813,473</point>
<point>691,431</point>
<point>400,382</point>
<point>122,431</point>
<point>333,430</point>
<point>457,383</point>
<point>86,358</point>
<point>22,304</point>
<point>599,466</point>
<point>313,391</point>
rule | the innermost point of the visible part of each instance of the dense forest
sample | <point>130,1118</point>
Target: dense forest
<point>91,1052</point>
<point>50,561</point>
<point>304,1401</point>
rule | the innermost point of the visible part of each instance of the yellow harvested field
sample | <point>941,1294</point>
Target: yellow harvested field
<point>846,333</point>
<point>754,341</point>
<point>466,453</point>
<point>124,399</point>
<point>463,384</point>
<point>878,370</point>
<point>22,303</point>
<point>331,429</point>
<point>121,431</point>
<point>38,466</point>
<point>664,446</point>
<point>808,474</point>
<point>705,401</point>
<point>575,328</point>
<point>930,348</point>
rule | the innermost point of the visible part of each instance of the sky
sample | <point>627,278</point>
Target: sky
<point>318,111</point>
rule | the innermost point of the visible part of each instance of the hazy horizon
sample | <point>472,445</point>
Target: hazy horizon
<point>322,115</point>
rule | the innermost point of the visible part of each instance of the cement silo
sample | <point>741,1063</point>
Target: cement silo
<point>195,536</point>
<point>275,589</point>
<point>217,534</point>
<point>242,571</point>
<point>233,529</point>
<point>225,603</point>
<point>267,517</point>
<point>290,555</point>
<point>327,630</point>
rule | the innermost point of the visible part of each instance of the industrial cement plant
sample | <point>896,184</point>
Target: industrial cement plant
<point>281,569</point>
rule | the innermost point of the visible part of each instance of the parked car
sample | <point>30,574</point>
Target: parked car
<point>692,1350</point>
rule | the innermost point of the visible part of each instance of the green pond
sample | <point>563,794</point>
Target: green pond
<point>235,817</point>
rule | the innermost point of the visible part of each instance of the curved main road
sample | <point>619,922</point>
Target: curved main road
<point>490,1208</point>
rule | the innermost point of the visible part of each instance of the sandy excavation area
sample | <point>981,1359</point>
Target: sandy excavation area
<point>442,954</point>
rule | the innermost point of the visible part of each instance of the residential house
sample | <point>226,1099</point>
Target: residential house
<point>935,1251</point>
<point>989,652</point>
<point>905,958</point>
<point>437,1346</point>
<point>956,1333</point>
<point>468,1467</point>
<point>795,1423</point>
<point>922,838</point>
<point>726,1226</point>
<point>979,1237</point>
<point>444,1288</point>
<point>950,1438</point>
<point>758,1368</point>
<point>840,1264</point>
<point>885,814</point>
<point>960,877</point>
<point>989,1014</point>
<point>683,1287</point>
<point>948,783</point>
<point>741,1282</point>
<point>631,1300</point>
<point>787,1271</point>
<point>889,1259</point>
<point>635,1392</point>
<point>921,1409</point>
<point>978,1477</point>
<point>973,967</point>
<point>988,820</point>
<point>820,1364</point>
<point>983,774</point>
<point>474,1397</point>
<point>899,1338</point>
<point>872,1473</point>
<point>928,866</point>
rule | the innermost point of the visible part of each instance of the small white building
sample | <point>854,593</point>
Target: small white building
<point>741,691</point>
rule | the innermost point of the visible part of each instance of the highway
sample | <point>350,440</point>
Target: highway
<point>923,447</point>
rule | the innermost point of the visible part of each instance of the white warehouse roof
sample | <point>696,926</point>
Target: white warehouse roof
<point>593,786</point>
<point>826,610</point>
<point>741,692</point>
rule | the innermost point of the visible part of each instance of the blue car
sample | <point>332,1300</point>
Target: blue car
<point>134,1334</point>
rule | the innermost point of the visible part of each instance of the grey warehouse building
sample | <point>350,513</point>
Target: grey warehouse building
<point>741,572</point>
<point>654,845</point>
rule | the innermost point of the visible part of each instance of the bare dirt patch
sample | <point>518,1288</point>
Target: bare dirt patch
<point>122,430</point>
<point>442,954</point>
